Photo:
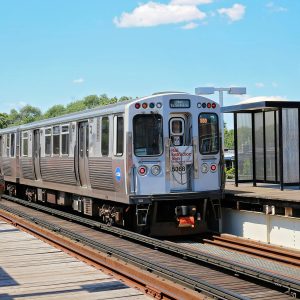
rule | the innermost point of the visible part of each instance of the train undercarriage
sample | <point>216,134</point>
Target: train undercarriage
<point>160,216</point>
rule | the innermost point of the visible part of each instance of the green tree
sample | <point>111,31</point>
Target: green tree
<point>104,100</point>
<point>54,111</point>
<point>228,138</point>
<point>29,114</point>
<point>75,106</point>
<point>4,120</point>
<point>124,98</point>
<point>14,117</point>
<point>91,101</point>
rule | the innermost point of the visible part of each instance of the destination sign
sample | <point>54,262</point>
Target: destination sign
<point>180,103</point>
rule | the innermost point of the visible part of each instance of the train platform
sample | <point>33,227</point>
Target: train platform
<point>32,269</point>
<point>262,192</point>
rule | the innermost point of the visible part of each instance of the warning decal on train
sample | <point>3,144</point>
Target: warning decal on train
<point>181,154</point>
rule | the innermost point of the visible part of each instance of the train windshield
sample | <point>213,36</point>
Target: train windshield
<point>208,133</point>
<point>148,135</point>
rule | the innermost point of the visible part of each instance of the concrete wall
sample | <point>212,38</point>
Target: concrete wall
<point>278,230</point>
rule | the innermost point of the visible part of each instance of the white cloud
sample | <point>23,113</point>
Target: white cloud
<point>259,85</point>
<point>78,81</point>
<point>190,26</point>
<point>275,8</point>
<point>235,13</point>
<point>190,2</point>
<point>153,14</point>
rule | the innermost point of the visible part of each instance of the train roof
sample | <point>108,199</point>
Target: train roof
<point>88,113</point>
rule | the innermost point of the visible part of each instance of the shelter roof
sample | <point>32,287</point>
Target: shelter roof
<point>261,104</point>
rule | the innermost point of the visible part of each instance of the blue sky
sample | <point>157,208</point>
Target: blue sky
<point>55,51</point>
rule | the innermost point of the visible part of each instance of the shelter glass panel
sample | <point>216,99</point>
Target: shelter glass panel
<point>270,145</point>
<point>290,138</point>
<point>244,140</point>
<point>259,146</point>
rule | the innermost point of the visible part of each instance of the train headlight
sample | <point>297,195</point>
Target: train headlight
<point>142,170</point>
<point>159,105</point>
<point>204,168</point>
<point>155,170</point>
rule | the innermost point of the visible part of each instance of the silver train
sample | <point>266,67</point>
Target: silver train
<point>151,164</point>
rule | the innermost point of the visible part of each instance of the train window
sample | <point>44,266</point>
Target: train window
<point>119,136</point>
<point>12,145</point>
<point>25,144</point>
<point>148,135</point>
<point>56,139</point>
<point>65,139</point>
<point>48,135</point>
<point>105,136</point>
<point>208,133</point>
<point>7,144</point>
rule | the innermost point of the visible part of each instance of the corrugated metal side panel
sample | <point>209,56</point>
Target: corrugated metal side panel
<point>59,170</point>
<point>27,168</point>
<point>101,176</point>
<point>6,166</point>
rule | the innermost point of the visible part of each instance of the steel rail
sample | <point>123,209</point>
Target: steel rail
<point>154,268</point>
<point>291,285</point>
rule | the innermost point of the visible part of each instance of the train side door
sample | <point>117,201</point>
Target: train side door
<point>36,154</point>
<point>181,153</point>
<point>83,153</point>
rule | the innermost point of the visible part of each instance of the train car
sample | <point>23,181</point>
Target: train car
<point>151,164</point>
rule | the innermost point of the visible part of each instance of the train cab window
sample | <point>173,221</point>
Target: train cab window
<point>25,144</point>
<point>208,133</point>
<point>65,139</point>
<point>119,136</point>
<point>105,136</point>
<point>177,131</point>
<point>148,135</point>
<point>48,135</point>
<point>7,145</point>
<point>56,140</point>
<point>12,145</point>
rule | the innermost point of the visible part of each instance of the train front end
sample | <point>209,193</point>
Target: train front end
<point>174,174</point>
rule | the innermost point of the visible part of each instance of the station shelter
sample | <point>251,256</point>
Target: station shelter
<point>266,141</point>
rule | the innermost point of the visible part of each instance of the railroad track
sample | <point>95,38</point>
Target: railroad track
<point>192,275</point>
<point>276,253</point>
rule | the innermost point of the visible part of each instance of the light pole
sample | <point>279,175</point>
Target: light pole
<point>212,90</point>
